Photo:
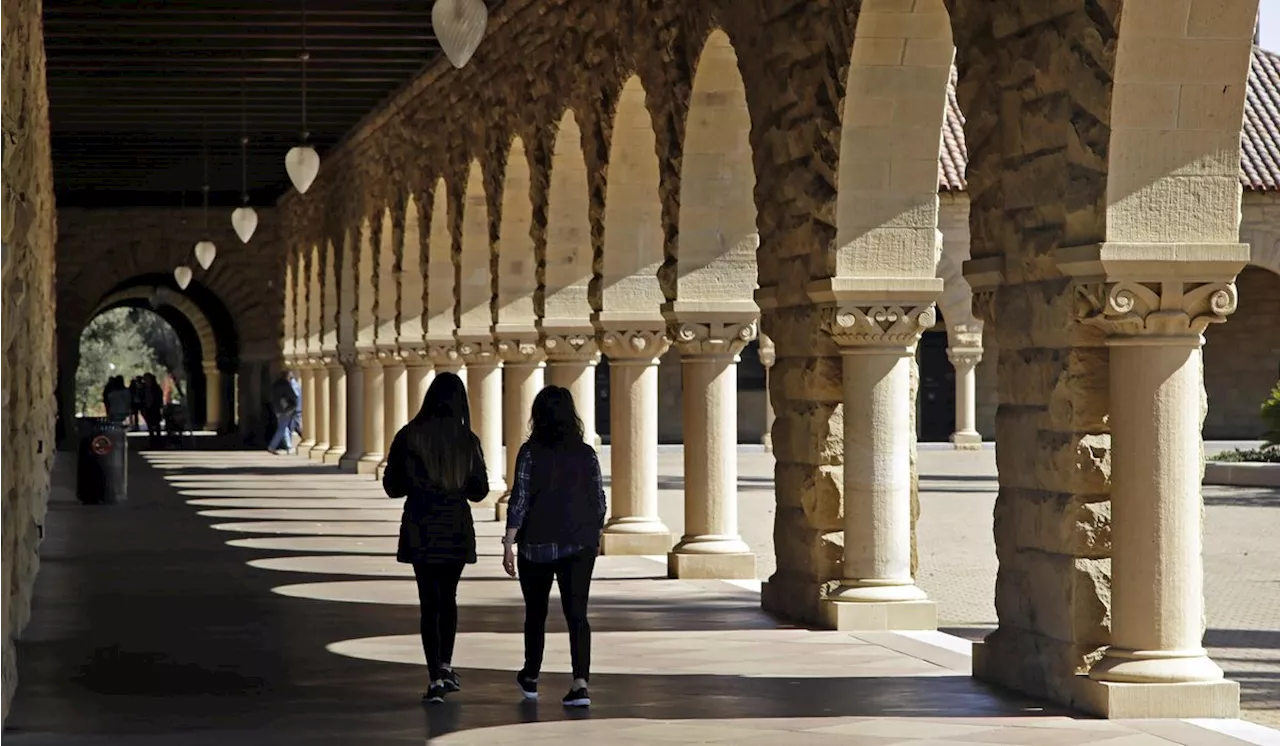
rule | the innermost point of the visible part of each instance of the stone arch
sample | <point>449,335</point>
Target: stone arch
<point>896,97</point>
<point>568,261</point>
<point>517,271</point>
<point>633,239</point>
<point>368,243</point>
<point>717,225</point>
<point>348,286</point>
<point>290,335</point>
<point>1242,358</point>
<point>475,288</point>
<point>413,265</point>
<point>206,345</point>
<point>315,300</point>
<point>330,297</point>
<point>441,272</point>
<point>1265,254</point>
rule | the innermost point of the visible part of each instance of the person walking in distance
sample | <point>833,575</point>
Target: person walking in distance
<point>284,403</point>
<point>436,463</point>
<point>555,514</point>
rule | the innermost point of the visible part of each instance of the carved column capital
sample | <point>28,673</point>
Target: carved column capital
<point>519,350</point>
<point>768,351</point>
<point>479,352</point>
<point>367,358</point>
<point>634,344</point>
<point>571,347</point>
<point>872,325</point>
<point>712,337</point>
<point>348,358</point>
<point>443,354</point>
<point>414,355</point>
<point>1163,308</point>
<point>964,358</point>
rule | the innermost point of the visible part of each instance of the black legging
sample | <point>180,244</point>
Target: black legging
<point>438,597</point>
<point>573,575</point>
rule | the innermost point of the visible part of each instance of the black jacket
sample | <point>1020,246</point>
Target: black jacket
<point>566,500</point>
<point>436,525</point>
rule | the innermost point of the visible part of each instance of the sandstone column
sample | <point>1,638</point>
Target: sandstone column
<point>353,362</point>
<point>768,356</point>
<point>306,377</point>
<point>320,407</point>
<point>395,400</point>
<point>522,375</point>
<point>1154,334</point>
<point>213,418</point>
<point>374,413</point>
<point>571,364</point>
<point>711,546</point>
<point>337,411</point>
<point>484,393</point>
<point>634,526</point>
<point>965,360</point>
<point>877,345</point>
<point>420,374</point>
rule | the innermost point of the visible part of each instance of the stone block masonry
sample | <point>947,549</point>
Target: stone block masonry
<point>28,374</point>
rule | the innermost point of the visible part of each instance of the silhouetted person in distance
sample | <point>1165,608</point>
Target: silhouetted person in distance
<point>152,406</point>
<point>284,405</point>
<point>436,462</point>
<point>135,391</point>
<point>117,400</point>
<point>555,514</point>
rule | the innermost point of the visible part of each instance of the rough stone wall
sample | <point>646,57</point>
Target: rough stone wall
<point>1242,358</point>
<point>27,377</point>
<point>98,250</point>
<point>518,84</point>
<point>1035,82</point>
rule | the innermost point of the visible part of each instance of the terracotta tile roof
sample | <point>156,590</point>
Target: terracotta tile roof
<point>1259,137</point>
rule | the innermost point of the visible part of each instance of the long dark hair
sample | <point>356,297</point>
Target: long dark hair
<point>440,434</point>
<point>555,422</point>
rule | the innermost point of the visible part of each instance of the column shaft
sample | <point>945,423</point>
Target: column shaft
<point>213,399</point>
<point>337,414</point>
<point>374,416</point>
<point>634,526</point>
<point>711,546</point>
<point>966,361</point>
<point>579,377</point>
<point>320,407</point>
<point>484,392</point>
<point>1157,577</point>
<point>306,378</point>
<point>395,402</point>
<point>420,378</point>
<point>355,416</point>
<point>521,382</point>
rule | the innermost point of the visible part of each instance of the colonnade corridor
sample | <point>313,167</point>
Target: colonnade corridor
<point>240,597</point>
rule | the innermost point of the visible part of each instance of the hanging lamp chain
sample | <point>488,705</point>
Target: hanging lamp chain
<point>244,147</point>
<point>304,56</point>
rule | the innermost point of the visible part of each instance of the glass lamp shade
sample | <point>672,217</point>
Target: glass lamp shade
<point>183,276</point>
<point>459,27</point>
<point>303,163</point>
<point>206,252</point>
<point>245,221</point>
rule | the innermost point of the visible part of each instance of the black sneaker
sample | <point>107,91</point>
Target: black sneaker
<point>577,698</point>
<point>451,682</point>
<point>528,685</point>
<point>435,693</point>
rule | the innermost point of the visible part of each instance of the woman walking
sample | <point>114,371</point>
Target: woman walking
<point>436,462</point>
<point>555,514</point>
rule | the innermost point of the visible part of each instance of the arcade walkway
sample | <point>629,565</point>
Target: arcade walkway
<point>149,628</point>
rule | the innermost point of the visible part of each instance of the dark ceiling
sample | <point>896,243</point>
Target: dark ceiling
<point>136,87</point>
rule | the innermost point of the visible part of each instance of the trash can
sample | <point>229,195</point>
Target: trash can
<point>102,475</point>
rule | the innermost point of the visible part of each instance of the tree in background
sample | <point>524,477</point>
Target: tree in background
<point>111,345</point>
<point>163,340</point>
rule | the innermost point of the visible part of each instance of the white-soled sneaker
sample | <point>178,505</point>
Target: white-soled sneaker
<point>577,697</point>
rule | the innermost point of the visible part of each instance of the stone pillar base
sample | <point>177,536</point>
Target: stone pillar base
<point>737,566</point>
<point>792,598</point>
<point>318,451</point>
<point>879,615</point>
<point>348,462</point>
<point>500,509</point>
<point>380,470</point>
<point>619,544</point>
<point>368,465</point>
<point>1199,699</point>
<point>967,441</point>
<point>334,456</point>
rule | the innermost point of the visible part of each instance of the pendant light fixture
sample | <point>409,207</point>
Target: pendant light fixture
<point>302,162</point>
<point>459,27</point>
<point>205,250</point>
<point>182,274</point>
<point>244,219</point>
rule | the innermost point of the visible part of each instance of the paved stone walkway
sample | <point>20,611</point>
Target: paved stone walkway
<point>249,599</point>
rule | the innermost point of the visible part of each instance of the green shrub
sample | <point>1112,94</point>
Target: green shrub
<point>1271,417</point>
<point>1266,455</point>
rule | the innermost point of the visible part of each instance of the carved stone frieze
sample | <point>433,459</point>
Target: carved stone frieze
<point>443,354</point>
<point>571,347</point>
<point>519,350</point>
<point>877,325</point>
<point>712,337</point>
<point>1169,308</point>
<point>964,358</point>
<point>367,357</point>
<point>479,352</point>
<point>348,358</point>
<point>634,344</point>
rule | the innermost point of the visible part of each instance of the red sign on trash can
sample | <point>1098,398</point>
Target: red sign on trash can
<point>100,445</point>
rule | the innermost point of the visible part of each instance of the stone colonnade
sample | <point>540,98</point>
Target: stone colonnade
<point>529,225</point>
